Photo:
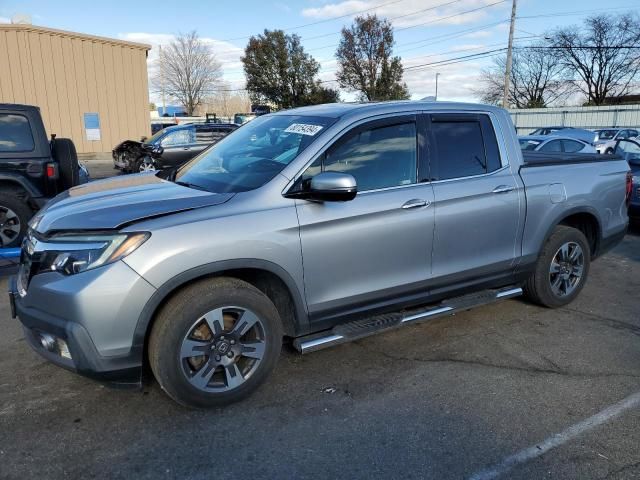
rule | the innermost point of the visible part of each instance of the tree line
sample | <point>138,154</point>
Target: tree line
<point>281,73</point>
<point>597,60</point>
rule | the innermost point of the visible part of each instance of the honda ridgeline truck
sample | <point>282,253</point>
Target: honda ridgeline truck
<point>319,225</point>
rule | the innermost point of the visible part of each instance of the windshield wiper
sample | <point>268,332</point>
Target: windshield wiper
<point>191,185</point>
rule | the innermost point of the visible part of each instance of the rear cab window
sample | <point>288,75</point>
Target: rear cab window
<point>15,133</point>
<point>462,145</point>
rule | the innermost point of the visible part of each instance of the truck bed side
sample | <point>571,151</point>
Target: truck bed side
<point>564,188</point>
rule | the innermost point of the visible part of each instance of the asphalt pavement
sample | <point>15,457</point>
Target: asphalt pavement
<point>509,391</point>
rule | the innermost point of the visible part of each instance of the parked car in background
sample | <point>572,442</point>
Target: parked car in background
<point>170,147</point>
<point>33,169</point>
<point>156,126</point>
<point>323,224</point>
<point>552,143</point>
<point>629,149</point>
<point>242,118</point>
<point>606,138</point>
<point>580,133</point>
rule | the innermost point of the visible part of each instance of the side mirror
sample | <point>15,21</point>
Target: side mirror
<point>329,187</point>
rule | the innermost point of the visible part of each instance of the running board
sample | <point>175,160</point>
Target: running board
<point>357,329</point>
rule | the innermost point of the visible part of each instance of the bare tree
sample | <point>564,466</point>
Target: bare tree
<point>188,71</point>
<point>536,79</point>
<point>602,56</point>
<point>365,60</point>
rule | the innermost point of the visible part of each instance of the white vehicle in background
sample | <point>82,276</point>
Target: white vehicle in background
<point>554,144</point>
<point>606,138</point>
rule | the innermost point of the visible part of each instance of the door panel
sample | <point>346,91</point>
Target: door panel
<point>477,200</point>
<point>378,245</point>
<point>476,229</point>
<point>358,251</point>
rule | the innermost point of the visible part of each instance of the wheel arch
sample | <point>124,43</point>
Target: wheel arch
<point>271,279</point>
<point>584,219</point>
<point>11,182</point>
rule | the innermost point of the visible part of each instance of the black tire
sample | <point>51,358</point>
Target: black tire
<point>609,151</point>
<point>538,287</point>
<point>15,214</point>
<point>176,320</point>
<point>64,152</point>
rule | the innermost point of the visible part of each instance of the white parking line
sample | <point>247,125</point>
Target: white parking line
<point>523,456</point>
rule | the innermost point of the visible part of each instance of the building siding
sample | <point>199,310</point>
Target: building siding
<point>68,74</point>
<point>527,120</point>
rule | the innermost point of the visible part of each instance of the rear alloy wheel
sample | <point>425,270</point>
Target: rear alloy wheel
<point>561,270</point>
<point>215,342</point>
<point>567,267</point>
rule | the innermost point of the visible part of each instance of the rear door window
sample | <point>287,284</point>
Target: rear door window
<point>15,133</point>
<point>571,146</point>
<point>462,145</point>
<point>553,146</point>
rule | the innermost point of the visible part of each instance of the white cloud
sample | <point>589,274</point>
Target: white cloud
<point>427,14</point>
<point>5,20</point>
<point>480,34</point>
<point>283,7</point>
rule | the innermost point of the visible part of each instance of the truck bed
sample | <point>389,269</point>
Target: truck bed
<point>539,159</point>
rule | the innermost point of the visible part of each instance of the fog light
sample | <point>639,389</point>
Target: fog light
<point>48,342</point>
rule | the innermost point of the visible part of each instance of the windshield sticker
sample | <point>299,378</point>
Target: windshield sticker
<point>303,129</point>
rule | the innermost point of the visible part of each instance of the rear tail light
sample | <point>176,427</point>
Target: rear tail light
<point>629,187</point>
<point>52,171</point>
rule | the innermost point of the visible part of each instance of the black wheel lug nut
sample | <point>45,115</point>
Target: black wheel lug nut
<point>232,342</point>
<point>217,358</point>
<point>230,354</point>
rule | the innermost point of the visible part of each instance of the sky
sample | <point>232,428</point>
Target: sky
<point>426,31</point>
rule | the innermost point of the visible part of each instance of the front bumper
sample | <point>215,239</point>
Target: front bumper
<point>95,313</point>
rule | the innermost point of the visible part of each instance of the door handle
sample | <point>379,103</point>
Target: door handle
<point>503,189</point>
<point>186,148</point>
<point>416,203</point>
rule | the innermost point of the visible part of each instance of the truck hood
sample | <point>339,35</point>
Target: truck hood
<point>115,202</point>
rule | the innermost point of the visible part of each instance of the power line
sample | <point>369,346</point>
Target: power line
<point>576,12</point>
<point>418,24</point>
<point>331,19</point>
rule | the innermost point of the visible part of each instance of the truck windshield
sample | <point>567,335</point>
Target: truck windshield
<point>252,155</point>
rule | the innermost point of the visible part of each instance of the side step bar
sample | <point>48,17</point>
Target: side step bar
<point>368,326</point>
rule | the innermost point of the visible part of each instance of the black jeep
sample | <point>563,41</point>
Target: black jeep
<point>32,169</point>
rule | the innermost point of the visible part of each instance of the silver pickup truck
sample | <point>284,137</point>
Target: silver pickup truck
<point>319,225</point>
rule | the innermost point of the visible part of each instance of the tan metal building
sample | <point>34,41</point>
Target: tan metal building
<point>93,90</point>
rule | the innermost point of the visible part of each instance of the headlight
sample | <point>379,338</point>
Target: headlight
<point>71,253</point>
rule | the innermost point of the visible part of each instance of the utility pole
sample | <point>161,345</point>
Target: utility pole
<point>437,75</point>
<point>164,105</point>
<point>507,73</point>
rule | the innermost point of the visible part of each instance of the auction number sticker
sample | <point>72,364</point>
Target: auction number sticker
<point>303,129</point>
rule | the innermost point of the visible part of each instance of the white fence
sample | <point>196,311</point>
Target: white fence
<point>527,120</point>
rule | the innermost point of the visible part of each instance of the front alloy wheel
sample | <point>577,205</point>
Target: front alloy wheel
<point>147,165</point>
<point>214,342</point>
<point>223,349</point>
